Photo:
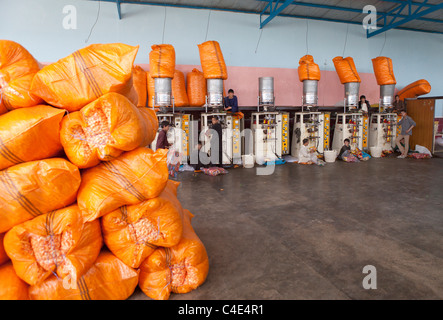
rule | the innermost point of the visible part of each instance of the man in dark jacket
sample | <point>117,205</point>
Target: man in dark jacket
<point>162,139</point>
<point>216,143</point>
<point>231,102</point>
<point>364,105</point>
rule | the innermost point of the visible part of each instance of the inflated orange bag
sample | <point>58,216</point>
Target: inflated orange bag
<point>383,70</point>
<point>212,61</point>
<point>162,61</point>
<point>102,130</point>
<point>11,286</point>
<point>196,88</point>
<point>34,188</point>
<point>151,89</point>
<point>87,74</point>
<point>415,89</point>
<point>133,177</point>
<point>17,69</point>
<point>3,256</point>
<point>151,125</point>
<point>308,69</point>
<point>29,134</point>
<point>107,279</point>
<point>346,70</point>
<point>140,85</point>
<point>57,242</point>
<point>132,233</point>
<point>179,89</point>
<point>179,269</point>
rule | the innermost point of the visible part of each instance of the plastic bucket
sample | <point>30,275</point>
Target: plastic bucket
<point>375,152</point>
<point>330,155</point>
<point>248,161</point>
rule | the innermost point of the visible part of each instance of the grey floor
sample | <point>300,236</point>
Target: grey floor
<point>306,232</point>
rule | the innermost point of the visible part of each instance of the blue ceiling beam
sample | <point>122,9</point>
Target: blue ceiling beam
<point>273,12</point>
<point>119,9</point>
<point>415,15</point>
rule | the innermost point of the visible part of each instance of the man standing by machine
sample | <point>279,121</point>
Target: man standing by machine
<point>406,124</point>
<point>231,102</point>
<point>216,143</point>
<point>162,140</point>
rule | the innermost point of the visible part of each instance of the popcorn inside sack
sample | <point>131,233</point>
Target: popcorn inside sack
<point>98,129</point>
<point>144,231</point>
<point>183,274</point>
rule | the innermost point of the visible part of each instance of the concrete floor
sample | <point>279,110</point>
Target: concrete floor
<point>306,232</point>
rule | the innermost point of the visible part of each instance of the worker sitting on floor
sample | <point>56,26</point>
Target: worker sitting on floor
<point>307,155</point>
<point>162,139</point>
<point>345,151</point>
<point>231,102</point>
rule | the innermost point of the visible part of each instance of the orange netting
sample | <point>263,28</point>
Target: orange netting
<point>346,70</point>
<point>86,75</point>
<point>196,84</point>
<point>415,89</point>
<point>140,85</point>
<point>34,188</point>
<point>308,69</point>
<point>179,269</point>
<point>162,61</point>
<point>179,89</point>
<point>57,242</point>
<point>212,61</point>
<point>133,177</point>
<point>383,70</point>
<point>11,286</point>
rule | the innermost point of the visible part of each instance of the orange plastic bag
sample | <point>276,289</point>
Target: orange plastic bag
<point>179,269</point>
<point>196,87</point>
<point>34,188</point>
<point>132,233</point>
<point>415,89</point>
<point>17,69</point>
<point>29,134</point>
<point>308,69</point>
<point>57,242</point>
<point>179,89</point>
<point>86,75</point>
<point>346,70</point>
<point>107,279</point>
<point>212,61</point>
<point>383,70</point>
<point>102,130</point>
<point>151,125</point>
<point>133,177</point>
<point>11,286</point>
<point>140,85</point>
<point>151,89</point>
<point>3,256</point>
<point>162,61</point>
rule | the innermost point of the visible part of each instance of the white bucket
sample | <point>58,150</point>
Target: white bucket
<point>248,160</point>
<point>330,155</point>
<point>376,152</point>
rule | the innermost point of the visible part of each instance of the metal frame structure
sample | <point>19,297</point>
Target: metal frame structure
<point>395,18</point>
<point>416,11</point>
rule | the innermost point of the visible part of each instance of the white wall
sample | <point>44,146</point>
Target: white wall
<point>38,26</point>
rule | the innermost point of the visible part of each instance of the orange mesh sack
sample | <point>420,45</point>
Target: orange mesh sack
<point>132,233</point>
<point>212,61</point>
<point>133,177</point>
<point>308,69</point>
<point>34,188</point>
<point>140,85</point>
<point>196,84</point>
<point>57,242</point>
<point>11,286</point>
<point>179,269</point>
<point>151,125</point>
<point>3,256</point>
<point>415,89</point>
<point>29,134</point>
<point>383,70</point>
<point>179,89</point>
<point>162,61</point>
<point>102,130</point>
<point>85,75</point>
<point>151,89</point>
<point>346,70</point>
<point>17,69</point>
<point>107,279</point>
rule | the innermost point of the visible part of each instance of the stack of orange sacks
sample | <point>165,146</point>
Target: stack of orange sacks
<point>86,208</point>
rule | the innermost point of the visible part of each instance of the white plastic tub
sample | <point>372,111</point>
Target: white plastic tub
<point>375,152</point>
<point>248,160</point>
<point>330,155</point>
